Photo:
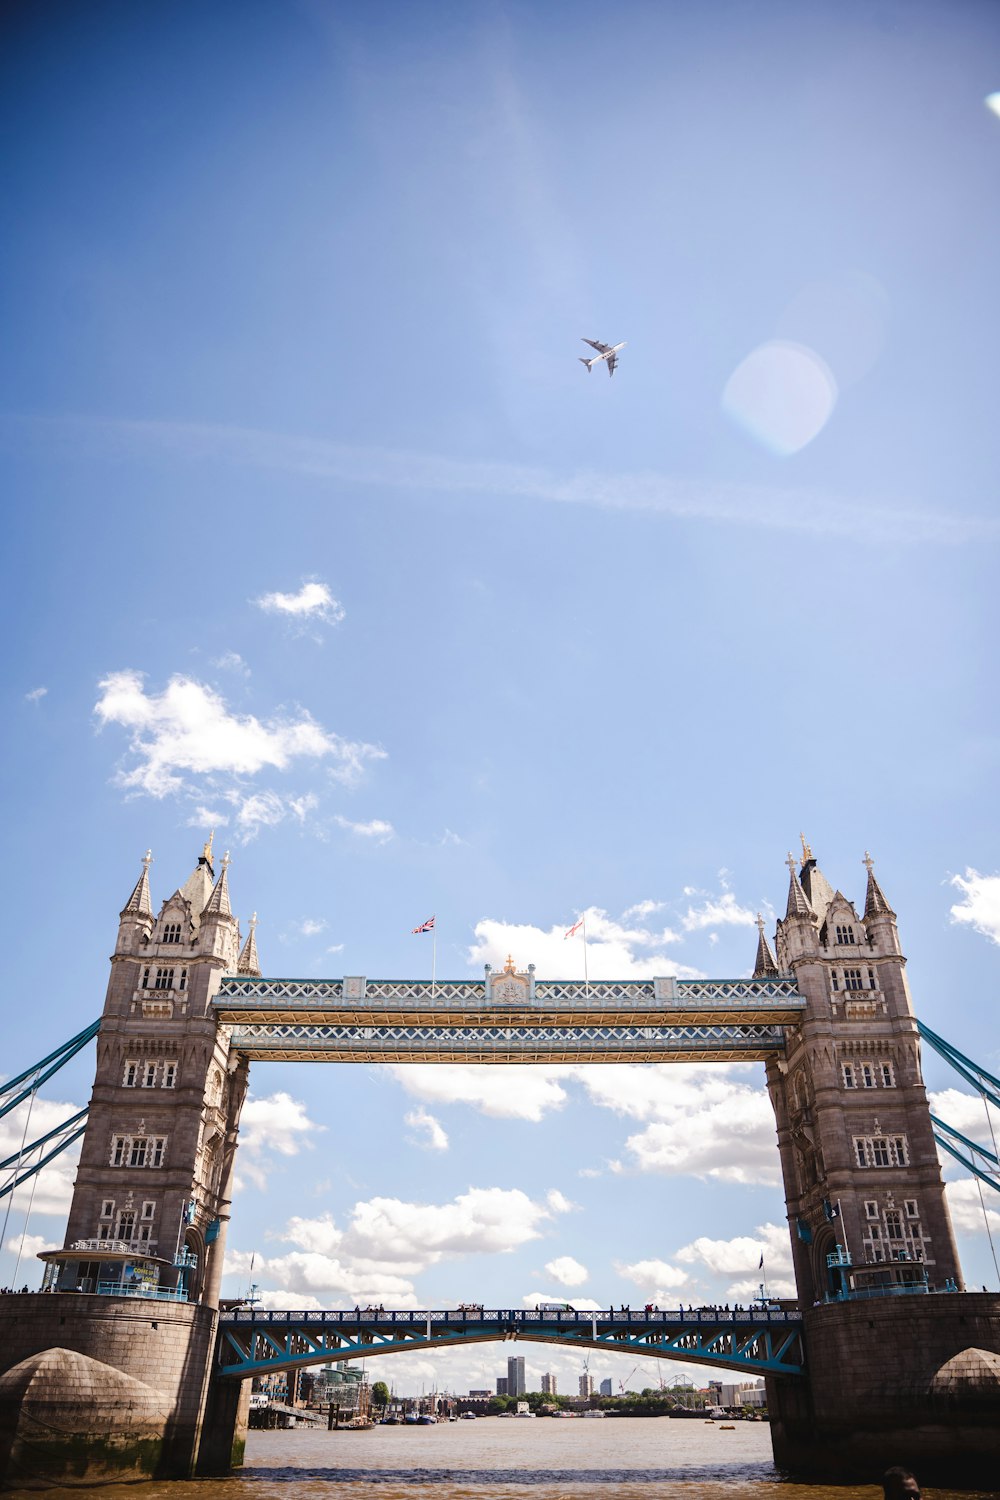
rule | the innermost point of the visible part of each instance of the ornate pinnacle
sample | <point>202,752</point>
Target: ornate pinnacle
<point>147,858</point>
<point>807,853</point>
<point>868,862</point>
<point>791,861</point>
<point>508,967</point>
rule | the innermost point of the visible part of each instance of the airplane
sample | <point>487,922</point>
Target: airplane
<point>604,351</point>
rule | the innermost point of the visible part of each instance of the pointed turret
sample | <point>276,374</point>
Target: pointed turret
<point>818,890</point>
<point>766,966</point>
<point>875,903</point>
<point>798,905</point>
<point>218,901</point>
<point>248,962</point>
<point>139,903</point>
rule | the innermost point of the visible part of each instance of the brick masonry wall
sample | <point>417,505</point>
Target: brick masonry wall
<point>168,1346</point>
<point>866,1403</point>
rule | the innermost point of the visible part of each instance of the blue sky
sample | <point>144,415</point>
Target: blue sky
<point>318,534</point>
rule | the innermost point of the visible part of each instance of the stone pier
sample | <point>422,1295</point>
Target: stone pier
<point>895,1380</point>
<point>97,1389</point>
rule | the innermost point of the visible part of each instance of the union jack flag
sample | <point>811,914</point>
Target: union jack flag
<point>427,926</point>
<point>575,928</point>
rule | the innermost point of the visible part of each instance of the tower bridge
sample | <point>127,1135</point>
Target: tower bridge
<point>132,1295</point>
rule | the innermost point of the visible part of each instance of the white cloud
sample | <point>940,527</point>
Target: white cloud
<point>567,1271</point>
<point>436,1137</point>
<point>276,1123</point>
<point>32,1246</point>
<point>725,912</point>
<point>314,601</point>
<point>705,1121</point>
<point>653,1277</point>
<point>966,1208</point>
<point>980,906</point>
<point>335,948</point>
<point>310,926</point>
<point>232,661</point>
<point>742,1254</point>
<point>642,909</point>
<point>479,1220</point>
<point>375,829</point>
<point>558,1202</point>
<point>966,1112</point>
<point>611,948</point>
<point>204,817</point>
<point>188,728</point>
<point>54,1185</point>
<point>36,695</point>
<point>510,1093</point>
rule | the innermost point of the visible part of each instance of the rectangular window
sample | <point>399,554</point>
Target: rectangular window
<point>859,1151</point>
<point>910,1208</point>
<point>131,1077</point>
<point>888,1077</point>
<point>145,978</point>
<point>849,1079</point>
<point>833,979</point>
<point>126,1225</point>
<point>158,1146</point>
<point>893,1224</point>
<point>144,1232</point>
<point>867,1076</point>
<point>105,1231</point>
<point>164,979</point>
<point>172,932</point>
<point>149,1076</point>
<point>148,1210</point>
<point>871,980</point>
<point>137,1156</point>
<point>877,1254</point>
<point>880,1152</point>
<point>852,979</point>
<point>871,1208</point>
<point>119,1150</point>
<point>169,1075</point>
<point>898,1148</point>
<point>182,985</point>
<point>107,1209</point>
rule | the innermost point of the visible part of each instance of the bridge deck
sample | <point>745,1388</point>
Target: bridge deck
<point>754,1341</point>
<point>360,1020</point>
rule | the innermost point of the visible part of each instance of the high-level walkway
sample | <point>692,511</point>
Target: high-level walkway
<point>508,1017</point>
<point>754,1341</point>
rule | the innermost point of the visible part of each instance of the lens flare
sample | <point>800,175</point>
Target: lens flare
<point>992,101</point>
<point>782,394</point>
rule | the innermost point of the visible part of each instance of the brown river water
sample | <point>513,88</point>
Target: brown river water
<point>506,1459</point>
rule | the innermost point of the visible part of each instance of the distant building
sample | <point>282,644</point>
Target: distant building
<point>473,1395</point>
<point>501,1385</point>
<point>548,1385</point>
<point>586,1387</point>
<point>605,1388</point>
<point>515,1376</point>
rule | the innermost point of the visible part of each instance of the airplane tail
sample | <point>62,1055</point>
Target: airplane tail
<point>587,362</point>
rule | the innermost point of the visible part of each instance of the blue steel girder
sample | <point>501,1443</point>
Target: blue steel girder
<point>755,1342</point>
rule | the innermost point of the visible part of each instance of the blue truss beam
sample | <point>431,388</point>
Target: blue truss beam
<point>42,1071</point>
<point>757,1342</point>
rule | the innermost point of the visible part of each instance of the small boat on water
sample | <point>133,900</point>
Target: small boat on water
<point>426,1419</point>
<point>593,1414</point>
<point>467,1416</point>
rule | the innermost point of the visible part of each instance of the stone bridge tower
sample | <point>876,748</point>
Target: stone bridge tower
<point>863,1188</point>
<point>152,1195</point>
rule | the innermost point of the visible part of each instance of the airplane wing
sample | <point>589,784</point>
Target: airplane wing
<point>612,361</point>
<point>596,344</point>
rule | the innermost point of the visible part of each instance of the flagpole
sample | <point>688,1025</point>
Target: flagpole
<point>434,951</point>
<point>586,976</point>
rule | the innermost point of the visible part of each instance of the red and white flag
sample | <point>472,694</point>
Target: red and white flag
<point>575,928</point>
<point>427,926</point>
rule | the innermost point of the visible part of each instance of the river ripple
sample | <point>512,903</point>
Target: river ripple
<point>495,1459</point>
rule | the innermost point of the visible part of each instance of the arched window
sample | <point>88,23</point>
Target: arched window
<point>845,935</point>
<point>172,932</point>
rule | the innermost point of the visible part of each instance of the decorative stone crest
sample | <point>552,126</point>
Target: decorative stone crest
<point>511,986</point>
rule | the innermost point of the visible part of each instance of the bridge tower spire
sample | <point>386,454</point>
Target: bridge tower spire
<point>153,1187</point>
<point>862,1180</point>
